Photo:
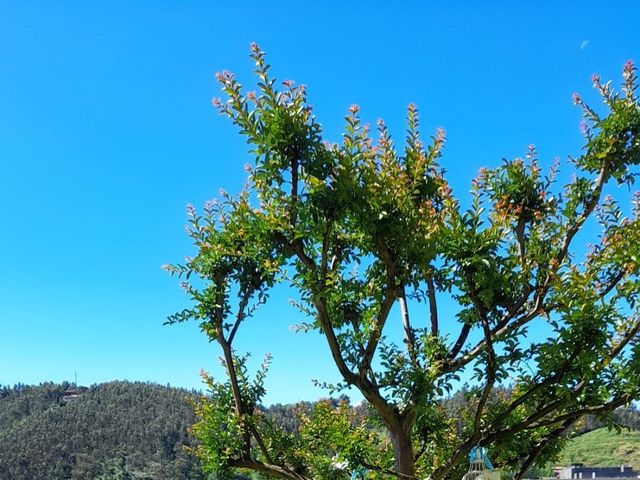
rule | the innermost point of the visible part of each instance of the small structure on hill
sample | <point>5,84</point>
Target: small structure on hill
<point>72,393</point>
<point>580,471</point>
<point>69,395</point>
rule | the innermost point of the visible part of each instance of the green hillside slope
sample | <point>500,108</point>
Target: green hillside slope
<point>603,447</point>
<point>115,430</point>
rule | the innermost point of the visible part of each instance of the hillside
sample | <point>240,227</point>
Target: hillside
<point>604,447</point>
<point>113,430</point>
<point>138,431</point>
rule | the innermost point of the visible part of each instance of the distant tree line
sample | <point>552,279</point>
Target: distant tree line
<point>139,431</point>
<point>625,417</point>
<point>287,416</point>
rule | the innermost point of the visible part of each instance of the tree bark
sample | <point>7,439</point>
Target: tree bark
<point>403,451</point>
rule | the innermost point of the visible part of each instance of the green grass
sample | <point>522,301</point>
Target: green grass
<point>603,448</point>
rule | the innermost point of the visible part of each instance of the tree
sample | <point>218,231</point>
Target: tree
<point>361,227</point>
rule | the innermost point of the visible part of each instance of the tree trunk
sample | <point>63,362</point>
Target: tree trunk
<point>403,451</point>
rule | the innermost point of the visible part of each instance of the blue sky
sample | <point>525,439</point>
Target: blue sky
<point>107,132</point>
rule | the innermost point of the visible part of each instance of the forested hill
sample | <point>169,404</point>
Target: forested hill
<point>136,431</point>
<point>115,430</point>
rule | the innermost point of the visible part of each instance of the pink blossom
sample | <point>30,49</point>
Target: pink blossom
<point>255,48</point>
<point>629,66</point>
<point>584,127</point>
<point>354,109</point>
<point>251,96</point>
<point>288,83</point>
<point>216,102</point>
<point>224,76</point>
<point>628,69</point>
<point>576,99</point>
<point>595,78</point>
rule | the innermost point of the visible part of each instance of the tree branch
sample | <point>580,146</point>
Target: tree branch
<point>267,469</point>
<point>538,449</point>
<point>261,444</point>
<point>464,333</point>
<point>501,329</point>
<point>519,231</point>
<point>374,338</point>
<point>387,471</point>
<point>391,292</point>
<point>491,377</point>
<point>244,301</point>
<point>576,225</point>
<point>406,324</point>
<point>294,191</point>
<point>553,379</point>
<point>237,394</point>
<point>433,307</point>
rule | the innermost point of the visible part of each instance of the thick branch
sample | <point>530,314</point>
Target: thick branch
<point>590,206</point>
<point>387,471</point>
<point>491,377</point>
<point>268,469</point>
<point>575,227</point>
<point>237,394</point>
<point>553,379</point>
<point>611,284</point>
<point>503,327</point>
<point>464,333</point>
<point>519,231</point>
<point>391,292</point>
<point>571,416</point>
<point>242,307</point>
<point>433,307</point>
<point>491,354</point>
<point>538,449</point>
<point>332,340</point>
<point>294,191</point>
<point>625,339</point>
<point>374,338</point>
<point>406,324</point>
<point>615,350</point>
<point>261,444</point>
<point>368,389</point>
<point>324,264</point>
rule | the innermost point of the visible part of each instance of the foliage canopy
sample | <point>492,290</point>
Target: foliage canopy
<point>360,227</point>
